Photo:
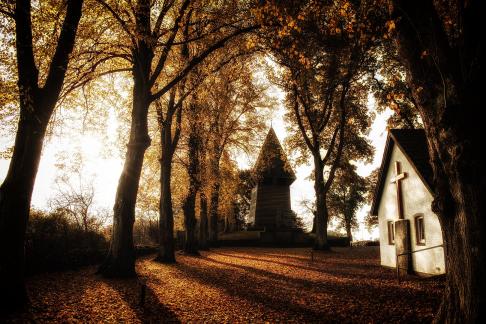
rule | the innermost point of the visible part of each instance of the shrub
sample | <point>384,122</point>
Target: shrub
<point>54,243</point>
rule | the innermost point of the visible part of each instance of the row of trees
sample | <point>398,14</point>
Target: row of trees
<point>162,44</point>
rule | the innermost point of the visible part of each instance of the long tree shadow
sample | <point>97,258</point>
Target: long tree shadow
<point>239,288</point>
<point>369,271</point>
<point>308,299</point>
<point>339,273</point>
<point>152,309</point>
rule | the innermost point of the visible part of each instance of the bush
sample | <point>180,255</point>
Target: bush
<point>54,243</point>
<point>366,243</point>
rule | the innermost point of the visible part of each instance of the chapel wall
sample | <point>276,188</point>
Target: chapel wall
<point>416,200</point>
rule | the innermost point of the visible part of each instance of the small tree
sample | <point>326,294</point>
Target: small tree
<point>346,196</point>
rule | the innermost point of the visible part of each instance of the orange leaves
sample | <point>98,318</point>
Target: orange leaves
<point>241,285</point>
<point>390,26</point>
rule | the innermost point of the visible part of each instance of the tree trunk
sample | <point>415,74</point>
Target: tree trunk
<point>36,108</point>
<point>214,200</point>
<point>189,206</point>
<point>446,84</point>
<point>203,221</point>
<point>190,244</point>
<point>166,252</point>
<point>321,207</point>
<point>120,261</point>
<point>349,234</point>
<point>459,202</point>
<point>313,229</point>
<point>15,196</point>
<point>213,212</point>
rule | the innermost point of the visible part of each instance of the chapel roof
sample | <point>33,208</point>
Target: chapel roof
<point>413,144</point>
<point>272,162</point>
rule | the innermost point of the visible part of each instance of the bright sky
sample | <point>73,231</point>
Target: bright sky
<point>104,166</point>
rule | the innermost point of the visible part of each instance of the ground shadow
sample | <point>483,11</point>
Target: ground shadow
<point>370,271</point>
<point>310,300</point>
<point>152,309</point>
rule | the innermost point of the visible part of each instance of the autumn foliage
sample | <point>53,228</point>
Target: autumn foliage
<point>240,285</point>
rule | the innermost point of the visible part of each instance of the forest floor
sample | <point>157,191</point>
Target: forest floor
<point>241,285</point>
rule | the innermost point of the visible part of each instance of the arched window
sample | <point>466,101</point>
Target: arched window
<point>420,229</point>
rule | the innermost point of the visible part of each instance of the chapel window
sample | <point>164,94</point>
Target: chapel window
<point>391,232</point>
<point>420,229</point>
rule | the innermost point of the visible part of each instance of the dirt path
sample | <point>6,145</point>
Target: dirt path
<point>241,285</point>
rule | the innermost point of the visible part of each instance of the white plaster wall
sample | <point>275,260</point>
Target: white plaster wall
<point>416,200</point>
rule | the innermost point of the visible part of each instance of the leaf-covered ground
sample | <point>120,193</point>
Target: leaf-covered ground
<point>241,285</point>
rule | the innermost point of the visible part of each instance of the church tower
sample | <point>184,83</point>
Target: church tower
<point>270,198</point>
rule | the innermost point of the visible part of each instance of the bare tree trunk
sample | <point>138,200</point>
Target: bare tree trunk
<point>120,261</point>
<point>446,84</point>
<point>349,234</point>
<point>214,199</point>
<point>459,202</point>
<point>321,207</point>
<point>213,212</point>
<point>15,196</point>
<point>166,220</point>
<point>36,108</point>
<point>203,221</point>
<point>190,245</point>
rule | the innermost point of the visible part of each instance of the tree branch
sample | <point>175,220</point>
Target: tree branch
<point>60,60</point>
<point>167,48</point>
<point>198,59</point>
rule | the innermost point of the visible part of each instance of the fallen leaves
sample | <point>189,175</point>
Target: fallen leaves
<point>241,285</point>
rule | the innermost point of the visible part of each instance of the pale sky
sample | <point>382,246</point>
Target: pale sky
<point>104,166</point>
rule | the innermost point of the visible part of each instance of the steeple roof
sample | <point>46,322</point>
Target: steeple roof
<point>272,164</point>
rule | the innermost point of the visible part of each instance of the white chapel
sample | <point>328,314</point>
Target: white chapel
<point>402,201</point>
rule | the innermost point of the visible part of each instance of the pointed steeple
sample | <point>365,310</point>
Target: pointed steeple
<point>272,166</point>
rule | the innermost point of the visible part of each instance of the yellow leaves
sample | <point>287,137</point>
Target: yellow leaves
<point>250,43</point>
<point>390,26</point>
<point>239,286</point>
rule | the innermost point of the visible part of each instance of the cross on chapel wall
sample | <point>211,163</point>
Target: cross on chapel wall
<point>399,176</point>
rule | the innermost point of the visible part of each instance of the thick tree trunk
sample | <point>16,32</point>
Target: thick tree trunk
<point>189,206</point>
<point>446,84</point>
<point>214,199</point>
<point>120,261</point>
<point>190,244</point>
<point>36,107</point>
<point>213,213</point>
<point>166,252</point>
<point>459,201</point>
<point>321,207</point>
<point>15,196</point>
<point>203,221</point>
